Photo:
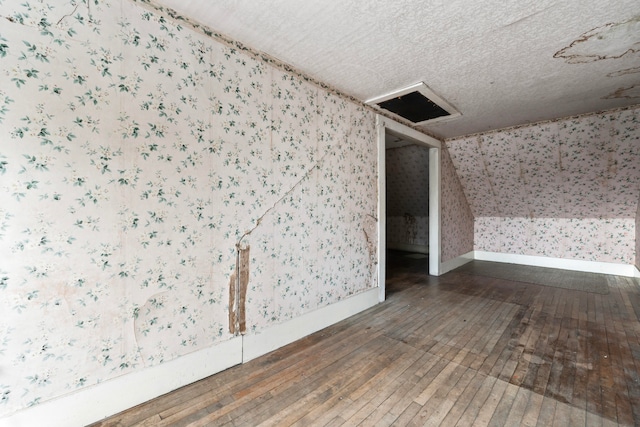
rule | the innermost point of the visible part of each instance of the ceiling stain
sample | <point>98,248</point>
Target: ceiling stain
<point>632,92</point>
<point>624,72</point>
<point>610,41</point>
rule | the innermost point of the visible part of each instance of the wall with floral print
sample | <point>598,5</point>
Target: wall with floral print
<point>567,188</point>
<point>407,177</point>
<point>638,237</point>
<point>408,230</point>
<point>137,154</point>
<point>456,218</point>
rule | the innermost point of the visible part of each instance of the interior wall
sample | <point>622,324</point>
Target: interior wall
<point>457,227</point>
<point>638,236</point>
<point>567,188</point>
<point>138,156</point>
<point>407,170</point>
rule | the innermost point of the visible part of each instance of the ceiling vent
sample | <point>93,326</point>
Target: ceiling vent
<point>416,103</point>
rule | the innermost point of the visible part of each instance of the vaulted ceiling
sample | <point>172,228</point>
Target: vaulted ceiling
<point>499,63</point>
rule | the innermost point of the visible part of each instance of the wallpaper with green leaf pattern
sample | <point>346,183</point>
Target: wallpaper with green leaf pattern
<point>638,235</point>
<point>135,155</point>
<point>567,188</point>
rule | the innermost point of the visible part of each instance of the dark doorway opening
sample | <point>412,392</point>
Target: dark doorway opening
<point>407,212</point>
<point>405,270</point>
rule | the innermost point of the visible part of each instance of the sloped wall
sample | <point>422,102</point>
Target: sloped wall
<point>137,155</point>
<point>566,189</point>
<point>410,166</point>
<point>456,221</point>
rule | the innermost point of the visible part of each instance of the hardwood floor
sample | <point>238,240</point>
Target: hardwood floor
<point>461,349</point>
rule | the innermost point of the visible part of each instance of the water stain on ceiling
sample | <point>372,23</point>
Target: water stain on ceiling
<point>610,41</point>
<point>632,92</point>
<point>624,72</point>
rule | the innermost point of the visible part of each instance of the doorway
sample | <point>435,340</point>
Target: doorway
<point>391,130</point>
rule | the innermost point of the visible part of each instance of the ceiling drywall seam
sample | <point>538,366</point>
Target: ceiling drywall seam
<point>542,122</point>
<point>207,31</point>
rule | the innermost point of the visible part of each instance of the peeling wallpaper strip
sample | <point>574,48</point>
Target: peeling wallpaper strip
<point>136,154</point>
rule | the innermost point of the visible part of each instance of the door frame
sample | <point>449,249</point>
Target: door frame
<point>384,125</point>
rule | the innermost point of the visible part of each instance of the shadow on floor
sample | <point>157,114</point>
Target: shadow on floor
<point>404,270</point>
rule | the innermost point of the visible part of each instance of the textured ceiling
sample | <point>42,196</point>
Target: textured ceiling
<point>499,63</point>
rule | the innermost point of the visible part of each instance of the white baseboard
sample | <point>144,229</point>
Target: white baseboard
<point>454,263</point>
<point>565,264</point>
<point>110,397</point>
<point>97,402</point>
<point>636,272</point>
<point>407,247</point>
<point>285,333</point>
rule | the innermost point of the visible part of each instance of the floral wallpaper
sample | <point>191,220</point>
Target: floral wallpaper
<point>567,188</point>
<point>136,155</point>
<point>456,219</point>
<point>407,229</point>
<point>407,170</point>
<point>638,237</point>
<point>407,166</point>
<point>606,240</point>
<point>407,177</point>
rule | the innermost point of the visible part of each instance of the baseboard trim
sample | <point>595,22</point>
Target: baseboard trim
<point>102,400</point>
<point>407,247</point>
<point>636,272</point>
<point>287,332</point>
<point>454,263</point>
<point>97,402</point>
<point>565,264</point>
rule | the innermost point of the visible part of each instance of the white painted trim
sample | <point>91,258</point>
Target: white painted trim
<point>385,124</point>
<point>407,247</point>
<point>407,132</point>
<point>435,245</point>
<point>284,333</point>
<point>382,210</point>
<point>94,403</point>
<point>636,272</point>
<point>454,263</point>
<point>565,264</point>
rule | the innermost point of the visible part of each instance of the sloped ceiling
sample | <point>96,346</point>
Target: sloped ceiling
<point>499,63</point>
<point>585,167</point>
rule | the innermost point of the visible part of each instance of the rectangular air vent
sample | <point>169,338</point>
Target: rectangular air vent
<point>417,103</point>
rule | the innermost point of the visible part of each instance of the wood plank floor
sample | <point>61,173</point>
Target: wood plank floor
<point>457,350</point>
